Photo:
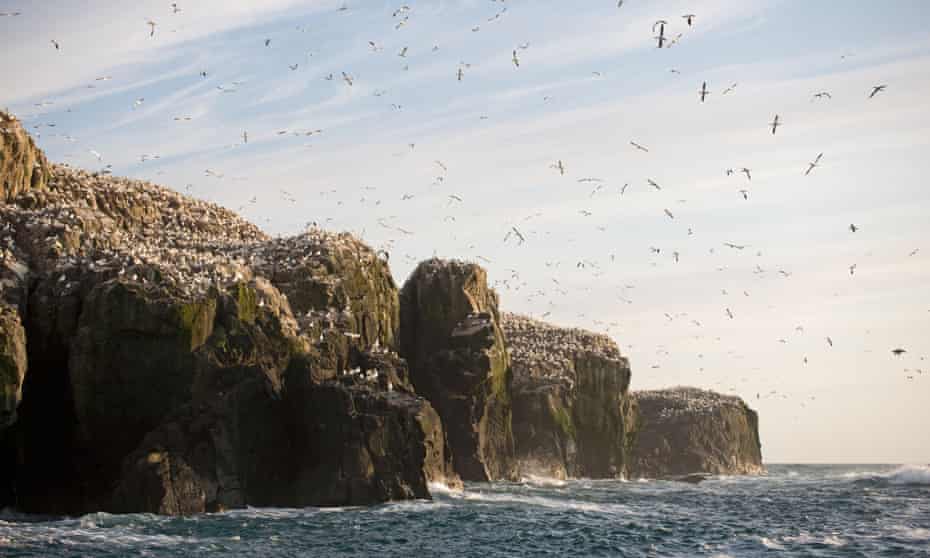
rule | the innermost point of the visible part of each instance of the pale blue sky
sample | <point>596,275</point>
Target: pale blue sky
<point>590,81</point>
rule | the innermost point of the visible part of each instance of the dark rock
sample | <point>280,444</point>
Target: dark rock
<point>572,413</point>
<point>12,363</point>
<point>687,430</point>
<point>168,373</point>
<point>451,337</point>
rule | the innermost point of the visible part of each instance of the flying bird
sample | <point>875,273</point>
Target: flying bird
<point>347,78</point>
<point>174,8</point>
<point>56,45</point>
<point>829,341</point>
<point>822,95</point>
<point>267,42</point>
<point>151,25</point>
<point>729,313</point>
<point>774,124</point>
<point>520,236</point>
<point>703,92</point>
<point>661,25</point>
<point>898,351</point>
<point>746,171</point>
<point>245,137</point>
<point>876,89</point>
<point>403,53</point>
<point>728,89</point>
<point>689,18</point>
<point>516,61</point>
<point>853,227</point>
<point>852,269</point>
<point>638,146</point>
<point>669,213</point>
<point>745,194</point>
<point>292,66</point>
<point>559,166</point>
<point>460,74</point>
<point>813,164</point>
<point>734,246</point>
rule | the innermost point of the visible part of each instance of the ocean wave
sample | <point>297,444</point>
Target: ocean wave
<point>539,501</point>
<point>904,475</point>
<point>769,543</point>
<point>535,480</point>
<point>807,538</point>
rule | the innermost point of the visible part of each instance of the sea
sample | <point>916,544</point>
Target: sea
<point>794,510</point>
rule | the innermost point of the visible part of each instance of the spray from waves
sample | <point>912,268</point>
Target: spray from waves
<point>910,474</point>
<point>534,480</point>
<point>913,475</point>
<point>510,498</point>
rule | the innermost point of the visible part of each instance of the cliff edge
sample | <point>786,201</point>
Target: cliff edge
<point>688,430</point>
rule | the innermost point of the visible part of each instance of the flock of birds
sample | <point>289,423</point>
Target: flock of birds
<point>515,232</point>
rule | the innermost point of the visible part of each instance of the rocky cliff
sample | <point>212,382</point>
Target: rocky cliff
<point>160,354</point>
<point>688,430</point>
<point>451,336</point>
<point>572,413</point>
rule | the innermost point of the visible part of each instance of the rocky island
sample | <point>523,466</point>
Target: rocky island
<point>684,430</point>
<point>161,354</point>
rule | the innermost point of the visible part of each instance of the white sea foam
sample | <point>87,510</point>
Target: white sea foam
<point>542,481</point>
<point>542,502</point>
<point>443,488</point>
<point>909,474</point>
<point>912,533</point>
<point>769,543</point>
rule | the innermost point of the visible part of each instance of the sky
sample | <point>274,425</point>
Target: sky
<point>422,163</point>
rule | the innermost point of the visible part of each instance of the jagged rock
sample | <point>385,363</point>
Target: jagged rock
<point>451,337</point>
<point>12,363</point>
<point>22,164</point>
<point>688,430</point>
<point>333,280</point>
<point>168,372</point>
<point>572,413</point>
<point>337,442</point>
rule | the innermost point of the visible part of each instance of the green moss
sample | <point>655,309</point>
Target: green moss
<point>196,320</point>
<point>500,378</point>
<point>564,420</point>
<point>247,303</point>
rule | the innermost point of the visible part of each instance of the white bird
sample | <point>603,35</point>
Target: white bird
<point>347,78</point>
<point>151,25</point>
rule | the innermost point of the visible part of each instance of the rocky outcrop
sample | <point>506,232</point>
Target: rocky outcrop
<point>572,413</point>
<point>12,364</point>
<point>688,430</point>
<point>22,164</point>
<point>169,371</point>
<point>451,337</point>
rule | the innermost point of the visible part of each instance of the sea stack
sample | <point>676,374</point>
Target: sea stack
<point>451,337</point>
<point>573,415</point>
<point>688,430</point>
<point>161,354</point>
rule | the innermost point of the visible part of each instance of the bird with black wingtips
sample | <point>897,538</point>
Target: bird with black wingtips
<point>689,18</point>
<point>775,124</point>
<point>876,89</point>
<point>703,92</point>
<point>661,37</point>
<point>813,164</point>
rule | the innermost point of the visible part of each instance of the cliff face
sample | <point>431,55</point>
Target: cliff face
<point>688,430</point>
<point>22,165</point>
<point>572,414</point>
<point>152,360</point>
<point>451,336</point>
